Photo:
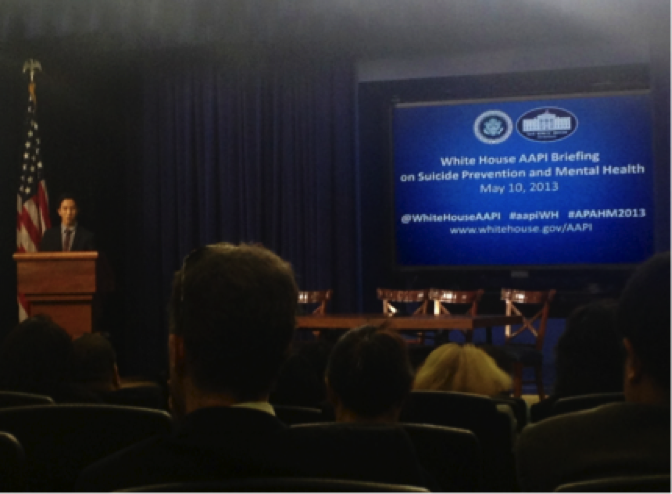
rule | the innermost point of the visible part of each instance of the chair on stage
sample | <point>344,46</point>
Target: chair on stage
<point>526,355</point>
<point>419,297</point>
<point>319,297</point>
<point>442,298</point>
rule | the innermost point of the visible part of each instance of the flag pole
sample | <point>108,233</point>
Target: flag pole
<point>32,198</point>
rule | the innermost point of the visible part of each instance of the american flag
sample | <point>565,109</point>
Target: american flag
<point>32,218</point>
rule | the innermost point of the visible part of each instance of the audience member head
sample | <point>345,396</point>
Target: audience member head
<point>644,322</point>
<point>232,319</point>
<point>301,380</point>
<point>369,375</point>
<point>93,364</point>
<point>589,353</point>
<point>34,357</point>
<point>462,368</point>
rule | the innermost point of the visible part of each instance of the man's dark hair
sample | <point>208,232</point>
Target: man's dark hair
<point>370,371</point>
<point>301,379</point>
<point>65,196</point>
<point>644,316</point>
<point>92,360</point>
<point>34,357</point>
<point>235,307</point>
<point>589,353</point>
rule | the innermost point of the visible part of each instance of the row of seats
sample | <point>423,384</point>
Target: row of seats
<point>640,483</point>
<point>463,440</point>
<point>521,355</point>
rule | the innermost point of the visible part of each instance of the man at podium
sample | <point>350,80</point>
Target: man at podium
<point>69,236</point>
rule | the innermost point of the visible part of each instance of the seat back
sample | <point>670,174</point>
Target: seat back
<point>441,298</point>
<point>61,440</point>
<point>367,452</point>
<point>12,458</point>
<point>292,415</point>
<point>638,483</point>
<point>518,406</point>
<point>478,414</point>
<point>535,324</point>
<point>149,395</point>
<point>584,402</point>
<point>16,399</point>
<point>390,297</point>
<point>452,456</point>
<point>319,297</point>
<point>289,484</point>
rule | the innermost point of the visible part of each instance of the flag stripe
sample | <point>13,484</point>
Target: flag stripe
<point>32,215</point>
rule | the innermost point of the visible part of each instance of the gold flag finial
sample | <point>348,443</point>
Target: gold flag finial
<point>32,66</point>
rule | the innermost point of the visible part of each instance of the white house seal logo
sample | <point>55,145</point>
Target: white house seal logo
<point>493,127</point>
<point>547,124</point>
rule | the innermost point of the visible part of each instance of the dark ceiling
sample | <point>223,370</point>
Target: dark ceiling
<point>365,28</point>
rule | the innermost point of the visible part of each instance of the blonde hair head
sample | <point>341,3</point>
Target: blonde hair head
<point>466,369</point>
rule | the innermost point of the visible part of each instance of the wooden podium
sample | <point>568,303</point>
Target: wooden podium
<point>64,286</point>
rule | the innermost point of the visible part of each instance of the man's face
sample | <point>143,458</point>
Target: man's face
<point>68,212</point>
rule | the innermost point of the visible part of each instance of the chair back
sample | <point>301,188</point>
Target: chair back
<point>16,399</point>
<point>61,440</point>
<point>478,414</point>
<point>320,297</point>
<point>12,458</point>
<point>366,452</point>
<point>638,483</point>
<point>289,484</point>
<point>516,298</point>
<point>518,406</point>
<point>584,402</point>
<point>292,415</point>
<point>390,297</point>
<point>149,395</point>
<point>452,456</point>
<point>441,298</point>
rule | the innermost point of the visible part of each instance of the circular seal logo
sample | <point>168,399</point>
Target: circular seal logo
<point>547,124</point>
<point>493,127</point>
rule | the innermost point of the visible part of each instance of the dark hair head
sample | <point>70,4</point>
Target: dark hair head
<point>370,371</point>
<point>92,360</point>
<point>644,316</point>
<point>65,196</point>
<point>34,356</point>
<point>589,353</point>
<point>301,379</point>
<point>235,307</point>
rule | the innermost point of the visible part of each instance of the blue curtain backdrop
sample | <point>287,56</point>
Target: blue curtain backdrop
<point>226,150</point>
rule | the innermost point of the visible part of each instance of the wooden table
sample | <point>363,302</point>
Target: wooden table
<point>429,322</point>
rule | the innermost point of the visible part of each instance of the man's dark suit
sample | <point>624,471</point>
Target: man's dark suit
<point>211,443</point>
<point>613,440</point>
<point>52,240</point>
<point>220,443</point>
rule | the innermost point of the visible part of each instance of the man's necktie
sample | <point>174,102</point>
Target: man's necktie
<point>66,242</point>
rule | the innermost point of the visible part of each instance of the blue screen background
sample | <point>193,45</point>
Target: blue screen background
<point>618,127</point>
